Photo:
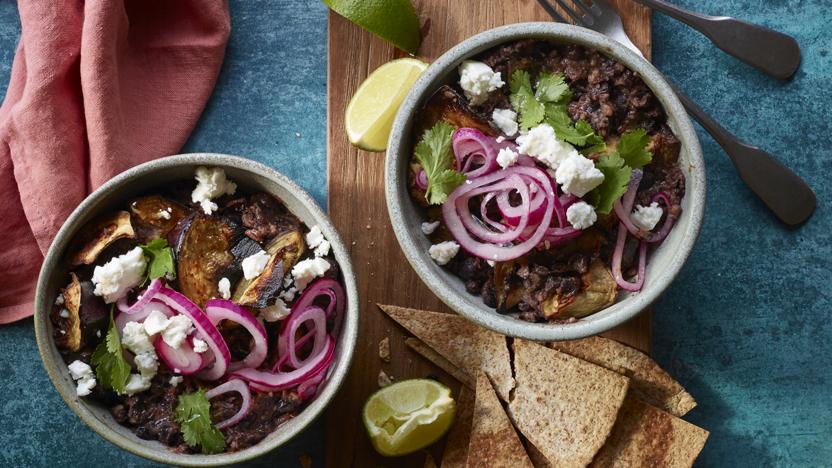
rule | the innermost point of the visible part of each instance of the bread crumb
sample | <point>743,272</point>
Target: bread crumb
<point>384,349</point>
<point>383,379</point>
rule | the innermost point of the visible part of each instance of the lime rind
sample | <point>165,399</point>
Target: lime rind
<point>394,21</point>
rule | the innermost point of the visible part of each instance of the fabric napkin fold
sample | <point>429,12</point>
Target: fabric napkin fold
<point>97,86</point>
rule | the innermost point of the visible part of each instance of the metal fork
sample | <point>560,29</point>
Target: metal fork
<point>783,191</point>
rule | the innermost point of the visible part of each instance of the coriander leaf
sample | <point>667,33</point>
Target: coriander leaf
<point>434,154</point>
<point>552,87</point>
<point>160,259</point>
<point>558,118</point>
<point>594,142</point>
<point>193,413</point>
<point>616,178</point>
<point>111,369</point>
<point>632,148</point>
<point>522,98</point>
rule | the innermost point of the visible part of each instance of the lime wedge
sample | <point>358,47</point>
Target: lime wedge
<point>395,21</point>
<point>408,416</point>
<point>372,109</point>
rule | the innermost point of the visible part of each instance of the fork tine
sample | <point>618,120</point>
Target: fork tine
<point>552,11</point>
<point>578,19</point>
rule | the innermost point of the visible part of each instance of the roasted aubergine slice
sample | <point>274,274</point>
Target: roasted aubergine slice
<point>155,216</point>
<point>203,254</point>
<point>100,234</point>
<point>283,252</point>
<point>598,292</point>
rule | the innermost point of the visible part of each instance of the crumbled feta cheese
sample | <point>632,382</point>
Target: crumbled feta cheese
<point>505,120</point>
<point>254,264</point>
<point>98,333</point>
<point>115,278</point>
<point>501,139</point>
<point>491,263</point>
<point>134,338</point>
<point>541,143</point>
<point>79,369</point>
<point>59,301</point>
<point>647,217</point>
<point>429,228</point>
<point>175,380</point>
<point>64,313</point>
<point>581,215</point>
<point>275,312</point>
<point>178,329</point>
<point>200,346</point>
<point>289,294</point>
<point>155,323</point>
<point>211,183</point>
<point>163,214</point>
<point>307,270</point>
<point>477,80</point>
<point>578,175</point>
<point>136,384</point>
<point>224,288</point>
<point>507,157</point>
<point>443,252</point>
<point>316,240</point>
<point>147,364</point>
<point>85,386</point>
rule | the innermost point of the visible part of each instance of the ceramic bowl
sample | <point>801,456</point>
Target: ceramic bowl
<point>663,265</point>
<point>248,175</point>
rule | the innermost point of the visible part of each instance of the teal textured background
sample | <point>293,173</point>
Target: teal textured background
<point>746,326</point>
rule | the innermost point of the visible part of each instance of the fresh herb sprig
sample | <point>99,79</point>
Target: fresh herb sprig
<point>160,259</point>
<point>618,166</point>
<point>193,413</point>
<point>434,154</point>
<point>111,368</point>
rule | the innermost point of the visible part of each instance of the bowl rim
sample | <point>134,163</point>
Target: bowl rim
<point>397,198</point>
<point>347,342</point>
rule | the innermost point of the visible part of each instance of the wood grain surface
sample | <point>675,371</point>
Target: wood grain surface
<point>358,209</point>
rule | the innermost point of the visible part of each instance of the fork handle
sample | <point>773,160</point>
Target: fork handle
<point>770,51</point>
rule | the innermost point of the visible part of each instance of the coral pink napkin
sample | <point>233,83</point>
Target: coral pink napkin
<point>97,86</point>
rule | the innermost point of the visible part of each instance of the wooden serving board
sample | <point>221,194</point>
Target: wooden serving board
<point>358,209</point>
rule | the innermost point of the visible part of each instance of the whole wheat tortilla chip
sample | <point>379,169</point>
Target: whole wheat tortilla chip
<point>456,446</point>
<point>428,353</point>
<point>648,381</point>
<point>494,443</point>
<point>469,347</point>
<point>564,406</point>
<point>644,435</point>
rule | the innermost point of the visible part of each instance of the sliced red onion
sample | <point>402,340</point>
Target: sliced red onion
<point>484,213</point>
<point>662,233</point>
<point>289,332</point>
<point>475,227</point>
<point>512,213</point>
<point>274,381</point>
<point>234,385</point>
<point>471,146</point>
<point>207,331</point>
<point>625,207</point>
<point>122,318</point>
<point>183,360</point>
<point>144,298</point>
<point>308,389</point>
<point>486,250</point>
<point>223,309</point>
<point>422,180</point>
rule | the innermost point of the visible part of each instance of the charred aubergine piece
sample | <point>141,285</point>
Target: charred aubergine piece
<point>283,252</point>
<point>100,234</point>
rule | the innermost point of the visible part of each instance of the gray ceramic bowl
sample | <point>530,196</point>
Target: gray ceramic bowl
<point>663,265</point>
<point>249,175</point>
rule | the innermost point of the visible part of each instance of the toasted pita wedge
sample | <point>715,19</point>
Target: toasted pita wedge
<point>649,382</point>
<point>469,347</point>
<point>494,443</point>
<point>428,353</point>
<point>456,447</point>
<point>564,406</point>
<point>538,459</point>
<point>644,435</point>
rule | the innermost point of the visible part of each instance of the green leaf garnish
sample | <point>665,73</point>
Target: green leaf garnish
<point>522,98</point>
<point>434,154</point>
<point>159,258</point>
<point>552,87</point>
<point>632,148</point>
<point>593,143</point>
<point>616,178</point>
<point>193,413</point>
<point>111,369</point>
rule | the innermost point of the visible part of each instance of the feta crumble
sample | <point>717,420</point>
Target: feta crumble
<point>578,175</point>
<point>59,301</point>
<point>429,228</point>
<point>254,264</point>
<point>83,376</point>
<point>200,346</point>
<point>211,183</point>
<point>289,294</point>
<point>647,217</point>
<point>443,252</point>
<point>316,240</point>
<point>147,364</point>
<point>115,278</point>
<point>224,288</point>
<point>477,80</point>
<point>155,323</point>
<point>307,270</point>
<point>64,313</point>
<point>581,215</point>
<point>135,339</point>
<point>505,120</point>
<point>541,143</point>
<point>178,329</point>
<point>507,157</point>
<point>163,214</point>
<point>275,312</point>
<point>175,380</point>
<point>501,139</point>
<point>136,384</point>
